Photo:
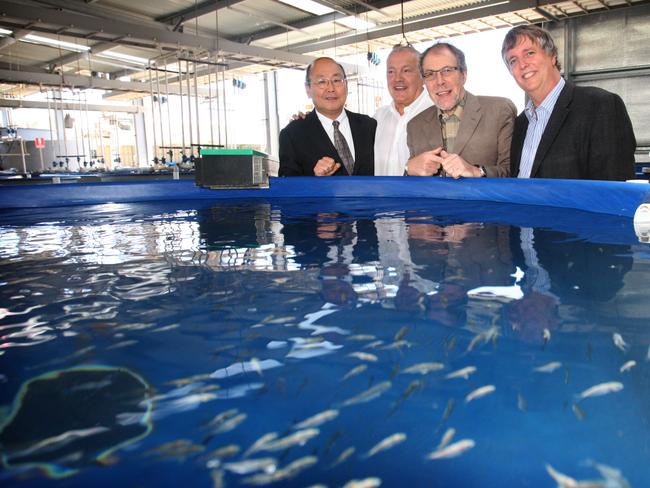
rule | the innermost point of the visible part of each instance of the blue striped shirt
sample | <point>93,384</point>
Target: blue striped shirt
<point>537,120</point>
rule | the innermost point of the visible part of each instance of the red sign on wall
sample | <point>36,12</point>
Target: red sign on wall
<point>39,142</point>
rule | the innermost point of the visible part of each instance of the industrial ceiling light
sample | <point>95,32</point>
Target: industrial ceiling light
<point>356,23</point>
<point>70,46</point>
<point>309,6</point>
<point>123,57</point>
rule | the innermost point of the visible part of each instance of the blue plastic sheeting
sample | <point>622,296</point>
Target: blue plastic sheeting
<point>614,198</point>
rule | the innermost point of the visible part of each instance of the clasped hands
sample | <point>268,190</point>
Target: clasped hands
<point>430,163</point>
<point>326,166</point>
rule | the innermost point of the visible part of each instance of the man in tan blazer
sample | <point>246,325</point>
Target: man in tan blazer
<point>463,135</point>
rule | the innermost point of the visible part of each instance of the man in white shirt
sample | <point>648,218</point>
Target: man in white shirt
<point>409,98</point>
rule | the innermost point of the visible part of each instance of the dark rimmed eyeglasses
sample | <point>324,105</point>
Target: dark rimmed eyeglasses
<point>445,72</point>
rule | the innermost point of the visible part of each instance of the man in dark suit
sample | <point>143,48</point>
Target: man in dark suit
<point>329,140</point>
<point>566,131</point>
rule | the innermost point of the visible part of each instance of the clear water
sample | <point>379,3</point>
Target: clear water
<point>177,335</point>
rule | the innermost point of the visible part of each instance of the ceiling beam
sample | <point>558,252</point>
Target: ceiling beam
<point>13,38</point>
<point>180,16</point>
<point>74,57</point>
<point>82,82</point>
<point>93,107</point>
<point>311,21</point>
<point>154,37</point>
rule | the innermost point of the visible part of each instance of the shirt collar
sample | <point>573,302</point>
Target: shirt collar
<point>458,111</point>
<point>326,121</point>
<point>549,102</point>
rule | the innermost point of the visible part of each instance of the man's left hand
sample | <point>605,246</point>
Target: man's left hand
<point>457,167</point>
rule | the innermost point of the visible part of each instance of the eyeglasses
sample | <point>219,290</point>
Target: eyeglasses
<point>445,72</point>
<point>322,83</point>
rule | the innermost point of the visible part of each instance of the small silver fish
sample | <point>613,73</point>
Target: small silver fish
<point>363,356</point>
<point>564,481</point>
<point>267,465</point>
<point>620,342</point>
<point>259,444</point>
<point>373,344</point>
<point>479,392</point>
<point>546,336</point>
<point>453,450</point>
<point>361,337</point>
<point>446,438</point>
<point>578,412</point>
<point>601,389</point>
<point>300,438</point>
<point>628,366</point>
<point>367,395</point>
<point>522,404</point>
<point>548,367</point>
<point>364,483</point>
<point>386,443</point>
<point>423,368</point>
<point>396,345</point>
<point>318,419</point>
<point>401,333</point>
<point>461,373</point>
<point>343,456</point>
<point>355,371</point>
<point>490,334</point>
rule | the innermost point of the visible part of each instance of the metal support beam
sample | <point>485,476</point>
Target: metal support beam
<point>11,39</point>
<point>189,13</point>
<point>13,103</point>
<point>81,82</point>
<point>144,34</point>
<point>74,57</point>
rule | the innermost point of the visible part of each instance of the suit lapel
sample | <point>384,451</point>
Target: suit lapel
<point>560,112</point>
<point>469,122</point>
<point>320,140</point>
<point>431,130</point>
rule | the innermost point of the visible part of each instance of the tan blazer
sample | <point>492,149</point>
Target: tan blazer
<point>483,137</point>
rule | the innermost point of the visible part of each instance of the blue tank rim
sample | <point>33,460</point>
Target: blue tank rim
<point>605,197</point>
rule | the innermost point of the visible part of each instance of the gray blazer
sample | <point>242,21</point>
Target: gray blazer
<point>483,137</point>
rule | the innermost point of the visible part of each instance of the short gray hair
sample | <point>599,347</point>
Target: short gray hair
<point>439,46</point>
<point>536,34</point>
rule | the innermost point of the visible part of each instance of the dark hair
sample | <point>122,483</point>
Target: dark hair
<point>311,65</point>
<point>536,34</point>
<point>439,46</point>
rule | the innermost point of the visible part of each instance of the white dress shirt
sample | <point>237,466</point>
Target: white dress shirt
<point>391,151</point>
<point>344,127</point>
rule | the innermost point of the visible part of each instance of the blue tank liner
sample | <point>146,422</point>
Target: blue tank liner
<point>614,198</point>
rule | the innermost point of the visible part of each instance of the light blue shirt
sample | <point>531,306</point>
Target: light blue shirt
<point>537,120</point>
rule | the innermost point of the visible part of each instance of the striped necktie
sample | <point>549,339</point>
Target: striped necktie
<point>342,148</point>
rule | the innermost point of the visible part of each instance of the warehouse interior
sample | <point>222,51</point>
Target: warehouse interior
<point>107,85</point>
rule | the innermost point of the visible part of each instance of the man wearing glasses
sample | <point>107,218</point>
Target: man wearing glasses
<point>329,140</point>
<point>463,135</point>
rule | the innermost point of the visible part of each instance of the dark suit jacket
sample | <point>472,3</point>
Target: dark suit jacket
<point>589,136</point>
<point>304,141</point>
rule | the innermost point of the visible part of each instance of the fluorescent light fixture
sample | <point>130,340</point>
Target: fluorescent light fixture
<point>309,6</point>
<point>55,43</point>
<point>356,23</point>
<point>123,57</point>
<point>4,32</point>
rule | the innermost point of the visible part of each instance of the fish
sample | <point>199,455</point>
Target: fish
<point>601,389</point>
<point>229,424</point>
<point>318,419</point>
<point>620,342</point>
<point>613,477</point>
<point>396,345</point>
<point>267,465</point>
<point>423,368</point>
<point>373,344</point>
<point>522,404</point>
<point>188,380</point>
<point>387,443</point>
<point>564,481</point>
<point>448,409</point>
<point>453,450</point>
<point>225,451</point>
<point>401,333</point>
<point>217,478</point>
<point>300,437</point>
<point>578,412</point>
<point>491,334</point>
<point>546,336</point>
<point>548,367</point>
<point>289,471</point>
<point>343,456</point>
<point>627,366</point>
<point>355,371</point>
<point>450,344</point>
<point>178,449</point>
<point>371,482</point>
<point>446,438</point>
<point>367,395</point>
<point>479,392</point>
<point>259,444</point>
<point>462,373</point>
<point>361,337</point>
<point>363,356</point>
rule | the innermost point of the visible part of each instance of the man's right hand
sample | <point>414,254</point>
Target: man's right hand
<point>299,115</point>
<point>426,164</point>
<point>326,166</point>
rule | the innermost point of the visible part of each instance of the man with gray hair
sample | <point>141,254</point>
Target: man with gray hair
<point>409,98</point>
<point>463,135</point>
<point>566,131</point>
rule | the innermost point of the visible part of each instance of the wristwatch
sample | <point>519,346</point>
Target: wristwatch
<point>482,170</point>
